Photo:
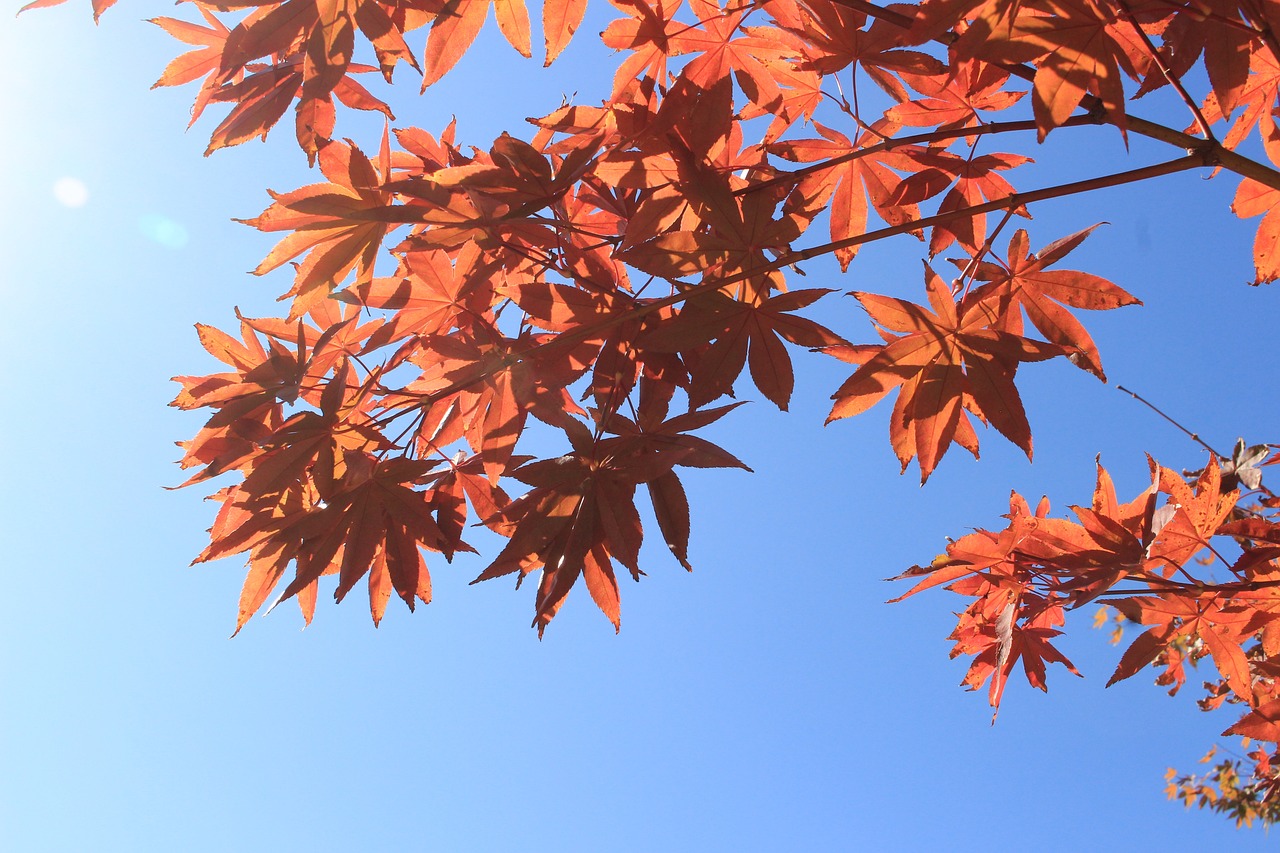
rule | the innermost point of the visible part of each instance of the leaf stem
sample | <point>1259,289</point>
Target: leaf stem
<point>971,268</point>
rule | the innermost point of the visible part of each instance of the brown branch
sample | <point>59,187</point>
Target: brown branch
<point>898,142</point>
<point>1173,79</point>
<point>1225,157</point>
<point>873,11</point>
<point>1182,164</point>
<point>1215,153</point>
<point>1013,201</point>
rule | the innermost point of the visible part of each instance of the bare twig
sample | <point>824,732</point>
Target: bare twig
<point>1153,407</point>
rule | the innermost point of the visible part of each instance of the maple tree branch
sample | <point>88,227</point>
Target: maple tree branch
<point>1153,407</point>
<point>1214,152</point>
<point>1165,70</point>
<point>1015,200</point>
<point>873,11</point>
<point>1225,157</point>
<point>919,139</point>
<point>1158,585</point>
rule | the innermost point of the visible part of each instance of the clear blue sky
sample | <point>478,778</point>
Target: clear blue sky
<point>767,701</point>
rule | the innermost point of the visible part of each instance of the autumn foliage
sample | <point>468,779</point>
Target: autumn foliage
<point>631,263</point>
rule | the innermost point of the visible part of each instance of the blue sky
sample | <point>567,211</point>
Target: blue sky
<point>769,700</point>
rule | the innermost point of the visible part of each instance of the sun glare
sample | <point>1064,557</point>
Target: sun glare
<point>70,192</point>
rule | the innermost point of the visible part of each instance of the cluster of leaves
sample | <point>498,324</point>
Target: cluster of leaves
<point>615,275</point>
<point>1155,566</point>
<point>1224,790</point>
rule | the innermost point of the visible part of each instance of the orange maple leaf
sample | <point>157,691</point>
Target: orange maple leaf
<point>944,361</point>
<point>1022,280</point>
<point>340,225</point>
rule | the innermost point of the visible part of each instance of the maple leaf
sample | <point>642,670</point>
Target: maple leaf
<point>261,378</point>
<point>309,43</point>
<point>1000,643</point>
<point>560,20</point>
<point>1243,466</point>
<point>1253,198</point>
<point>204,62</point>
<point>457,22</point>
<point>652,443</point>
<point>464,482</point>
<point>969,181</point>
<point>1079,47</point>
<point>943,361</point>
<point>340,225</point>
<point>291,369</point>
<point>1222,37</point>
<point>1022,280</point>
<point>429,296</point>
<point>993,554</point>
<point>1196,515</point>
<point>649,33</point>
<point>1258,97</point>
<point>832,38</point>
<point>799,96</point>
<point>1087,559</point>
<point>722,53</point>
<point>323,29</point>
<point>374,523</point>
<point>475,380</point>
<point>954,100</point>
<point>99,6</point>
<point>263,96</point>
<point>1188,615</point>
<point>580,514</point>
<point>743,333</point>
<point>849,185</point>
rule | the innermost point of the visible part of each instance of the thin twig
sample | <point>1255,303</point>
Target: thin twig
<point>1153,407</point>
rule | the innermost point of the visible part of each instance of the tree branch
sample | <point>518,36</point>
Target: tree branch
<point>1224,157</point>
<point>1182,164</point>
<point>584,333</point>
<point>1165,70</point>
<point>919,139</point>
